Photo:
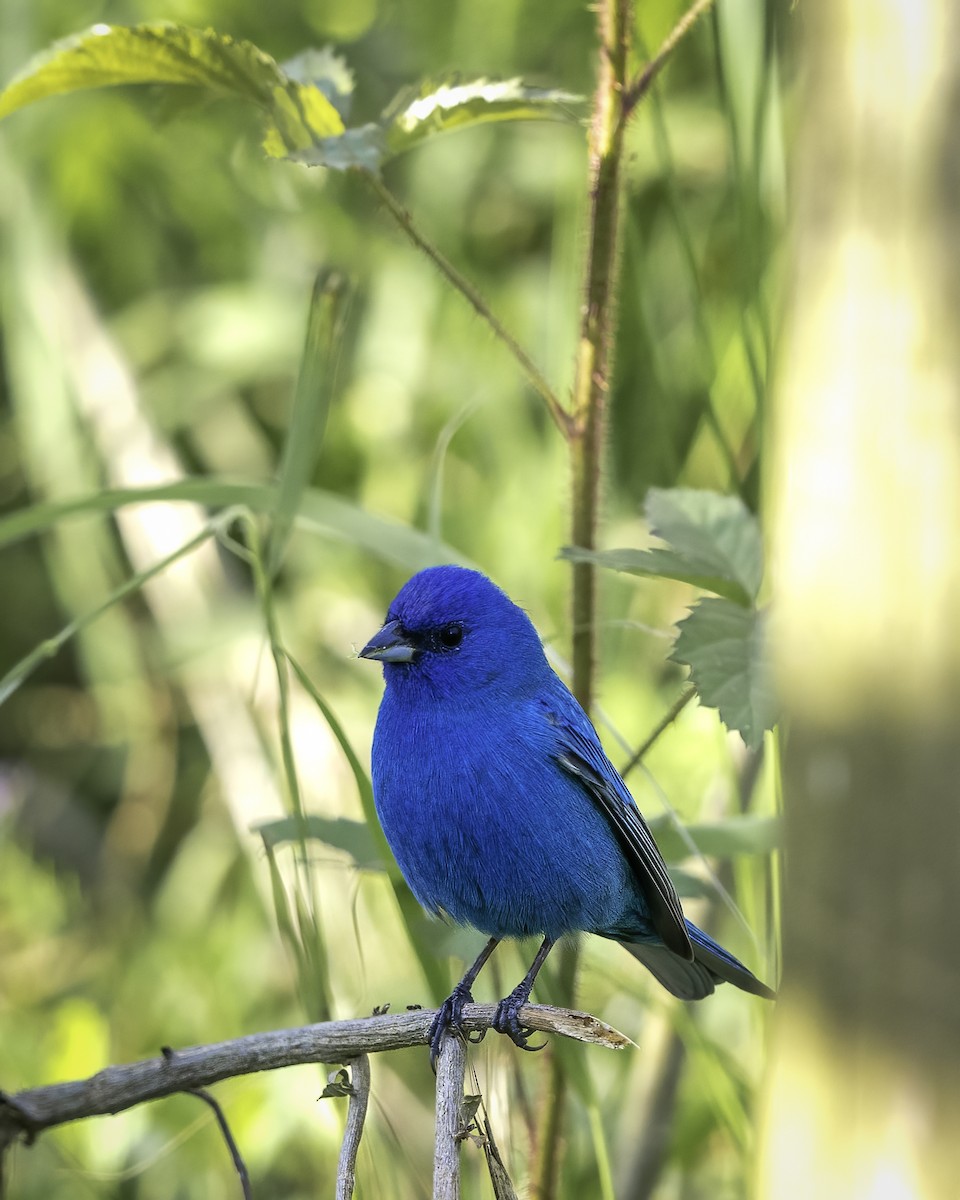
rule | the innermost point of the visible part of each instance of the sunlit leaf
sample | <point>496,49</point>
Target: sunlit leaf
<point>326,71</point>
<point>723,645</point>
<point>298,114</point>
<point>441,106</point>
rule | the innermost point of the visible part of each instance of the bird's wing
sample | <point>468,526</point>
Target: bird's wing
<point>580,753</point>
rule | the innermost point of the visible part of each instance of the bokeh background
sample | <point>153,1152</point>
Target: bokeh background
<point>155,275</point>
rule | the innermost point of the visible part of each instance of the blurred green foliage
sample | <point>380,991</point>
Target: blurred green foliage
<point>155,275</point>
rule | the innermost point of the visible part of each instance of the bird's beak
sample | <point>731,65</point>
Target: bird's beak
<point>389,645</point>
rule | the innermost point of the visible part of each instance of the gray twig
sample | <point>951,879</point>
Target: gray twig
<point>117,1088</point>
<point>239,1164</point>
<point>451,1068</point>
<point>356,1113</point>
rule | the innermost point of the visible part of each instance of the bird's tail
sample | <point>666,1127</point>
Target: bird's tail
<point>694,980</point>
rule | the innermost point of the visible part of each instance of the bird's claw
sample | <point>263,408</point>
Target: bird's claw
<point>449,1016</point>
<point>507,1020</point>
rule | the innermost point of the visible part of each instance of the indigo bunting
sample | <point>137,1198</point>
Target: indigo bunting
<point>500,806</point>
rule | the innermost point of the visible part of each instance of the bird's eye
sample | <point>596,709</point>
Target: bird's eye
<point>450,636</point>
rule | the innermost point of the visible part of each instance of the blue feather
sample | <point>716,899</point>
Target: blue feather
<point>499,803</point>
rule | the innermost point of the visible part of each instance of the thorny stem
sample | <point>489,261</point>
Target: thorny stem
<point>597,327</point>
<point>356,1114</point>
<point>460,283</point>
<point>587,436</point>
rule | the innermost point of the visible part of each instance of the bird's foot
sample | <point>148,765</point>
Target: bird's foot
<point>507,1019</point>
<point>450,1016</point>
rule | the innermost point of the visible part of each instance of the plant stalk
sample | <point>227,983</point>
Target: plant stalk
<point>597,328</point>
<point>586,437</point>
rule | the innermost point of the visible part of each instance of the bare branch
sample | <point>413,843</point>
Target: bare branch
<point>451,1067</point>
<point>356,1113</point>
<point>117,1088</point>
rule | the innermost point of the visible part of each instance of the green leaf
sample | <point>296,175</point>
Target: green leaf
<point>688,885</point>
<point>713,542</point>
<point>281,908</point>
<point>311,403</point>
<point>338,1084</point>
<point>435,107</point>
<point>353,837</point>
<point>440,106</point>
<point>723,645</point>
<point>729,838</point>
<point>298,114</point>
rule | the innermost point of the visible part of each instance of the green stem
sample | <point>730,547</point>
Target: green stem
<point>473,297</point>
<point>644,81</point>
<point>662,725</point>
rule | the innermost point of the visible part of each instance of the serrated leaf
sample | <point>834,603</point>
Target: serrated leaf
<point>353,837</point>
<point>723,645</point>
<point>418,113</point>
<point>717,533</point>
<point>660,564</point>
<point>713,542</point>
<point>107,55</point>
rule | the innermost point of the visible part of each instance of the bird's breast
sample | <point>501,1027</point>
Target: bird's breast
<point>488,828</point>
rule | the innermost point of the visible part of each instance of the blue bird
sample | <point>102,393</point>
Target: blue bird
<point>500,806</point>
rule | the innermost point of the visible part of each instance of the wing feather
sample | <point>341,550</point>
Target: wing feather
<point>581,754</point>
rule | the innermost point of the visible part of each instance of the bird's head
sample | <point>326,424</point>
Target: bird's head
<point>450,632</point>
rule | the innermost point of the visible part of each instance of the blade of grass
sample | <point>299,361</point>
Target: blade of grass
<point>431,966</point>
<point>22,670</point>
<point>311,962</point>
<point>311,404</point>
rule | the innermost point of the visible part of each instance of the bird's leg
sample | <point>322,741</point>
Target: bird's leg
<point>507,1017</point>
<point>450,1012</point>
